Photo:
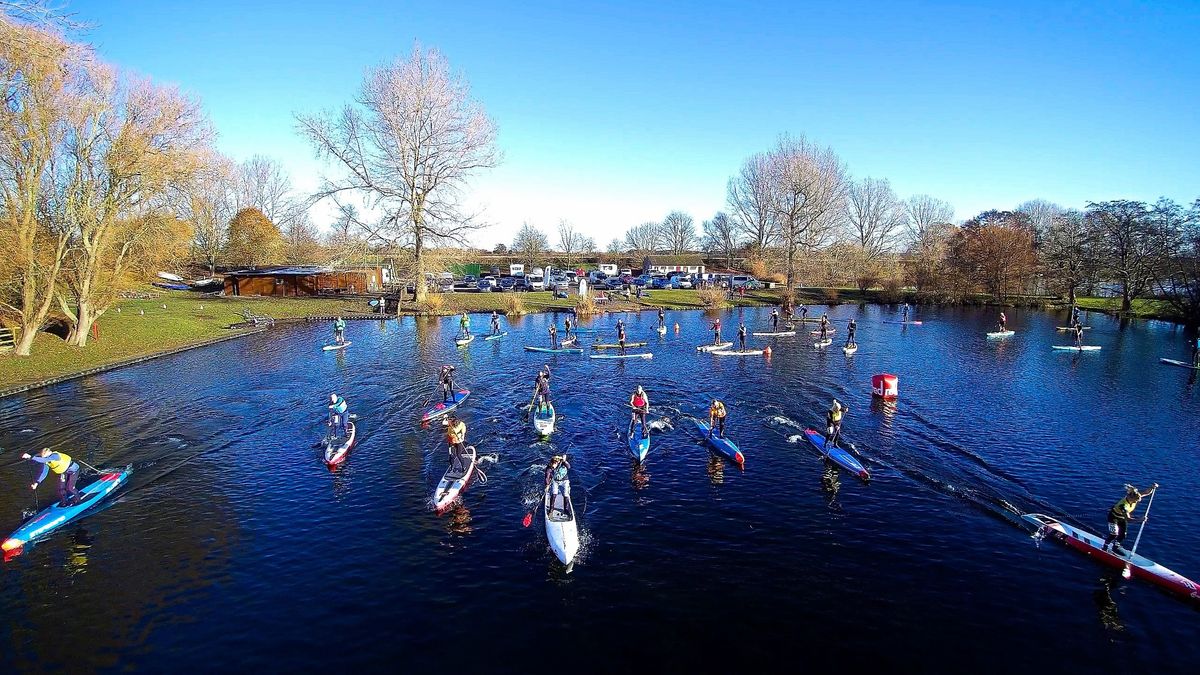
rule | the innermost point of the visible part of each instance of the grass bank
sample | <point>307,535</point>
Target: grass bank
<point>1139,309</point>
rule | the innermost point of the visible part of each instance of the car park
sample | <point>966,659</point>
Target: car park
<point>508,283</point>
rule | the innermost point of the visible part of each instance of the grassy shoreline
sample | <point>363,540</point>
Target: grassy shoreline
<point>180,319</point>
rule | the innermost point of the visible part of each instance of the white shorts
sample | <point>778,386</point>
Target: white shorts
<point>560,488</point>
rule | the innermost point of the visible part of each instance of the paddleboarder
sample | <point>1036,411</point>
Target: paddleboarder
<point>1196,352</point>
<point>662,318</point>
<point>716,329</point>
<point>774,321</point>
<point>541,389</point>
<point>833,423</point>
<point>338,414</point>
<point>620,337</point>
<point>1003,322</point>
<point>824,327</point>
<point>456,439</point>
<point>742,336</point>
<point>905,317</point>
<point>1120,515</point>
<point>716,418</point>
<point>640,402</point>
<point>67,470</point>
<point>1075,315</point>
<point>446,379</point>
<point>1078,330</point>
<point>566,329</point>
<point>464,324</point>
<point>803,312</point>
<point>556,478</point>
<point>339,331</point>
<point>495,323</point>
<point>850,330</point>
<point>553,331</point>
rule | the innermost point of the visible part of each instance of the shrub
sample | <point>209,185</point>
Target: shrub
<point>830,296</point>
<point>514,304</point>
<point>711,297</point>
<point>892,291</point>
<point>757,267</point>
<point>585,306</point>
<point>435,303</point>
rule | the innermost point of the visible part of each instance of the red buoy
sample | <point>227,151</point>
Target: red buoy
<point>885,386</point>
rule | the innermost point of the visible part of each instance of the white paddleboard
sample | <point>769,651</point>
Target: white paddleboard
<point>646,355</point>
<point>454,482</point>
<point>779,334</point>
<point>824,343</point>
<point>748,352</point>
<point>329,348</point>
<point>1072,348</point>
<point>1001,333</point>
<point>714,348</point>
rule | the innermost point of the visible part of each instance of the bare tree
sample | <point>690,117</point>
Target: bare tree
<point>571,242</point>
<point>264,184</point>
<point>721,237</point>
<point>643,238</point>
<point>1041,214</point>
<point>808,188</point>
<point>749,195</point>
<point>1129,246</point>
<point>1069,253</point>
<point>874,215</point>
<point>925,213</point>
<point>678,232</point>
<point>529,243</point>
<point>1177,277</point>
<point>208,206</point>
<point>616,246</point>
<point>407,148</point>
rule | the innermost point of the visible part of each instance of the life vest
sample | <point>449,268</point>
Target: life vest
<point>61,464</point>
<point>339,325</point>
<point>836,414</point>
<point>456,433</point>
<point>717,409</point>
<point>1123,508</point>
<point>339,406</point>
<point>638,401</point>
<point>560,472</point>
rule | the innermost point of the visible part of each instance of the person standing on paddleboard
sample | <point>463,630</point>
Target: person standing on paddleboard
<point>742,336</point>
<point>640,402</point>
<point>446,379</point>
<point>541,389</point>
<point>338,414</point>
<point>1003,322</point>
<point>824,327</point>
<point>339,331</point>
<point>833,424</point>
<point>774,321</point>
<point>566,329</point>
<point>456,439</point>
<point>716,329</point>
<point>904,319</point>
<point>464,324</point>
<point>662,318</point>
<point>1196,352</point>
<point>67,470</point>
<point>716,418</point>
<point>1078,330</point>
<point>553,331</point>
<point>850,330</point>
<point>495,323</point>
<point>620,338</point>
<point>556,478</point>
<point>1120,515</point>
<point>803,311</point>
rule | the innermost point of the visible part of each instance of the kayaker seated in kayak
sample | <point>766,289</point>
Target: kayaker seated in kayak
<point>553,331</point>
<point>556,478</point>
<point>446,379</point>
<point>640,403</point>
<point>338,414</point>
<point>1003,322</point>
<point>716,329</point>
<point>495,323</point>
<point>339,331</point>
<point>662,318</point>
<point>464,324</point>
<point>456,439</point>
<point>1120,515</point>
<point>716,419</point>
<point>742,337</point>
<point>833,423</point>
<point>774,321</point>
<point>67,470</point>
<point>850,329</point>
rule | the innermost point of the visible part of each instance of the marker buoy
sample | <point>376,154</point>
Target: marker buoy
<point>677,327</point>
<point>767,352</point>
<point>886,386</point>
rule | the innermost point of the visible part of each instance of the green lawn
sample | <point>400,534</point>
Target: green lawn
<point>1141,309</point>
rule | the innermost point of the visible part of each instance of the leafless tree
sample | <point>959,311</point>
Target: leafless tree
<point>529,243</point>
<point>615,246</point>
<point>1041,214</point>
<point>571,242</point>
<point>874,215</point>
<point>749,195</point>
<point>407,148</point>
<point>721,237</point>
<point>208,204</point>
<point>264,184</point>
<point>643,238</point>
<point>924,213</point>
<point>1069,253</point>
<point>808,188</point>
<point>678,232</point>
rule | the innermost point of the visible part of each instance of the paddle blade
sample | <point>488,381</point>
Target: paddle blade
<point>528,519</point>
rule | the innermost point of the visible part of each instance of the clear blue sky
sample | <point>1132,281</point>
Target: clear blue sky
<point>615,113</point>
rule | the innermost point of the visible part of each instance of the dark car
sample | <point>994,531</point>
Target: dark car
<point>507,283</point>
<point>522,284</point>
<point>470,279</point>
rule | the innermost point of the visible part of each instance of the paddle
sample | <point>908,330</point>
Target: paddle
<point>1126,573</point>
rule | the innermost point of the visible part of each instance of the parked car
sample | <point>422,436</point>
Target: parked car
<point>535,282</point>
<point>507,283</point>
<point>641,281</point>
<point>740,280</point>
<point>522,284</point>
<point>659,282</point>
<point>470,279</point>
<point>486,284</point>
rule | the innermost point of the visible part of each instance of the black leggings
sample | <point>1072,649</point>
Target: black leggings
<point>1122,524</point>
<point>66,487</point>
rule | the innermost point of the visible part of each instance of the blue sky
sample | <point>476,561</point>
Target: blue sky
<point>614,113</point>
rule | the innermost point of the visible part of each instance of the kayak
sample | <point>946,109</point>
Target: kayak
<point>643,355</point>
<point>442,408</point>
<point>454,482</point>
<point>172,287</point>
<point>170,277</point>
<point>815,333</point>
<point>54,516</point>
<point>781,333</point>
<point>543,419</point>
<point>628,345</point>
<point>1072,348</point>
<point>850,350</point>
<point>724,447</point>
<point>1001,333</point>
<point>563,350</point>
<point>638,445</point>
<point>734,352</point>
<point>1093,547</point>
<point>714,348</point>
<point>335,455</point>
<point>837,455</point>
<point>329,348</point>
<point>823,343</point>
<point>462,342</point>
<point>1181,364</point>
<point>560,526</point>
<point>496,336</point>
<point>1065,328</point>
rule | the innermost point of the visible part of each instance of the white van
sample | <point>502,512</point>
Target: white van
<point>536,281</point>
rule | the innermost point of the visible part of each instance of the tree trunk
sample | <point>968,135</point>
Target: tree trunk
<point>1126,300</point>
<point>85,316</point>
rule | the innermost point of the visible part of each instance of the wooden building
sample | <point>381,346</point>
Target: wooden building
<point>304,281</point>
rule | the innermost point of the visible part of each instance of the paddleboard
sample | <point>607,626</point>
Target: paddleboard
<point>543,420</point>
<point>1066,328</point>
<point>561,529</point>
<point>1071,348</point>
<point>462,342</point>
<point>1093,547</point>
<point>850,350</point>
<point>639,446</point>
<point>628,345</point>
<point>454,482</point>
<point>723,446</point>
<point>1181,364</point>
<point>748,352</point>
<point>1001,333</point>
<point>496,336</point>
<point>713,348</point>
<point>329,348</point>
<point>54,516</point>
<point>815,333</point>
<point>645,355</point>
<point>777,334</point>
<point>822,343</point>
<point>837,455</point>
<point>905,323</point>
<point>442,408</point>
<point>336,454</point>
<point>564,350</point>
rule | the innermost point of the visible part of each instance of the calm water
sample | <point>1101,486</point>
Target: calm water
<point>235,548</point>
